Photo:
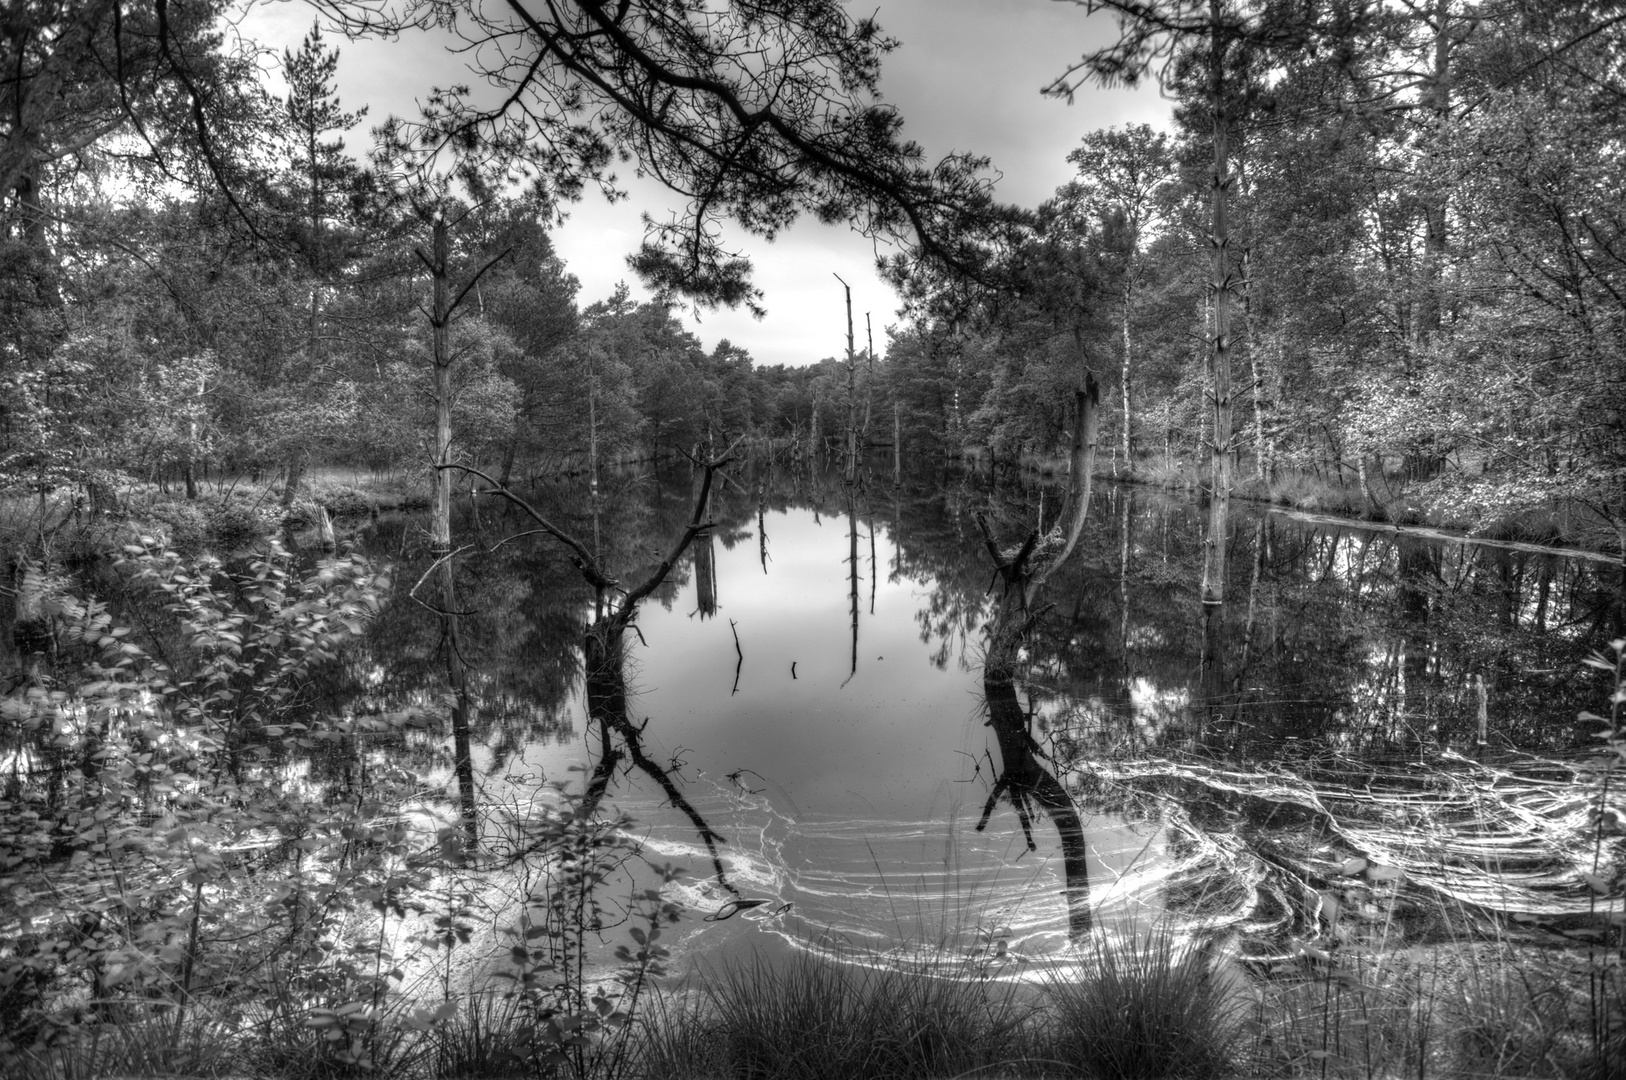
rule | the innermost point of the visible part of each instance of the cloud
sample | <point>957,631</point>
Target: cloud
<point>966,77</point>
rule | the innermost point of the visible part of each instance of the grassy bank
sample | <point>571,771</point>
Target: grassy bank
<point>1135,1011</point>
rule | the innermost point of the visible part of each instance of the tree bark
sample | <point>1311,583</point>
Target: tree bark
<point>897,444</point>
<point>1128,442</point>
<point>850,469</point>
<point>1220,459</point>
<point>440,529</point>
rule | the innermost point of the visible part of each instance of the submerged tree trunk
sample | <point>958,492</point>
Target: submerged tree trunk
<point>852,576</point>
<point>604,653</point>
<point>705,563</point>
<point>1023,777</point>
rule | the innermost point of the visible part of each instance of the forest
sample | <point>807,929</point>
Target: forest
<point>1242,529</point>
<point>1406,301</point>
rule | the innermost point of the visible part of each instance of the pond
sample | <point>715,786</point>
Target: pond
<point>1374,725</point>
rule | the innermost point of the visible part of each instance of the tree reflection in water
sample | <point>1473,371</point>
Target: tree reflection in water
<point>1351,659</point>
<point>604,656</point>
<point>1021,575</point>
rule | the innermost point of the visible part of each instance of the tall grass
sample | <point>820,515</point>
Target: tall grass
<point>150,1044</point>
<point>1143,1011</point>
<point>813,1018</point>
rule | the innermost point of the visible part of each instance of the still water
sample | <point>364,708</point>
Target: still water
<point>809,680</point>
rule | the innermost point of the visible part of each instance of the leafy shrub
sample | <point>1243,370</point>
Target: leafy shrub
<point>183,526</point>
<point>235,524</point>
<point>342,500</point>
<point>194,886</point>
<point>152,782</point>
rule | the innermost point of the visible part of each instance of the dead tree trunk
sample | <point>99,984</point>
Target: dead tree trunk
<point>604,654</point>
<point>850,466</point>
<point>1022,776</point>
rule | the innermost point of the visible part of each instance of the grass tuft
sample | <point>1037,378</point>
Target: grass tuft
<point>1141,1011</point>
<point>811,1018</point>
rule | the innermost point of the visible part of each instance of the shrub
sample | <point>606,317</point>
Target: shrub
<point>183,526</point>
<point>342,500</point>
<point>235,524</point>
<point>154,782</point>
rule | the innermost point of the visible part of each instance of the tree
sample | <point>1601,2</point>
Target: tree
<point>754,113</point>
<point>1212,44</point>
<point>319,167</point>
<point>318,170</point>
<point>1123,174</point>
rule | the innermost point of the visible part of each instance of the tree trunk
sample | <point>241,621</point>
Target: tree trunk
<point>440,531</point>
<point>296,477</point>
<point>1022,777</point>
<point>897,444</point>
<point>1128,442</point>
<point>508,461</point>
<point>1259,455</point>
<point>1220,458</point>
<point>850,469</point>
<point>815,445</point>
<point>31,630</point>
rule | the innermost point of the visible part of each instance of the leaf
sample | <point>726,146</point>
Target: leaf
<point>1352,866</point>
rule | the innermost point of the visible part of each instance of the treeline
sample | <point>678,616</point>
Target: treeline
<point>1388,255</point>
<point>161,326</point>
<point>1421,262</point>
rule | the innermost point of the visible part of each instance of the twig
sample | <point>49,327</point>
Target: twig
<point>413,592</point>
<point>738,664</point>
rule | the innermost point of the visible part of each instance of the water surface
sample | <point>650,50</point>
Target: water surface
<point>810,680</point>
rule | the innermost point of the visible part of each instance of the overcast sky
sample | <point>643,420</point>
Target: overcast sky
<point>966,77</point>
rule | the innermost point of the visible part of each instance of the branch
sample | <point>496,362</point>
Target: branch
<point>475,280</point>
<point>582,559</point>
<point>205,143</point>
<point>696,525</point>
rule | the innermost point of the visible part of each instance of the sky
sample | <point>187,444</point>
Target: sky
<point>966,77</point>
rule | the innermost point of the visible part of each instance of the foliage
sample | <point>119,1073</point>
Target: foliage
<point>563,1020</point>
<point>144,791</point>
<point>343,500</point>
